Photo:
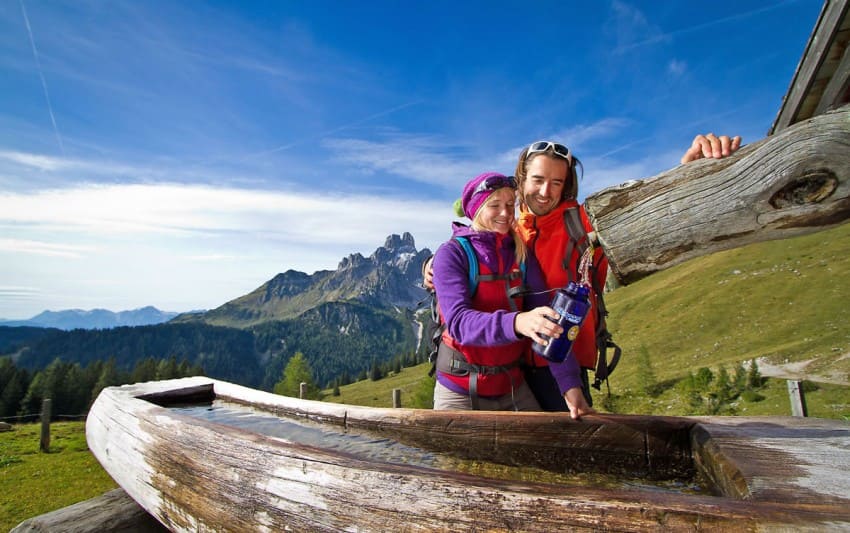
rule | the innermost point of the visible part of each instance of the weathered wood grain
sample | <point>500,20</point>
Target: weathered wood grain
<point>804,460</point>
<point>634,446</point>
<point>793,183</point>
<point>195,475</point>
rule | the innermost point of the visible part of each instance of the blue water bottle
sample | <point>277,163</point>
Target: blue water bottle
<point>572,304</point>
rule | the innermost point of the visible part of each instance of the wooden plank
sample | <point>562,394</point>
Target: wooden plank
<point>792,183</point>
<point>113,511</point>
<point>799,102</point>
<point>197,475</point>
<point>837,90</point>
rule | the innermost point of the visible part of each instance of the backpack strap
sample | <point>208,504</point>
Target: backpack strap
<point>475,276</point>
<point>450,361</point>
<point>436,319</point>
<point>472,260</point>
<point>603,367</point>
<point>574,227</point>
<point>578,238</point>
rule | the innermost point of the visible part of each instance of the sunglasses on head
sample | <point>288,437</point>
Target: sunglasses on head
<point>494,183</point>
<point>543,146</point>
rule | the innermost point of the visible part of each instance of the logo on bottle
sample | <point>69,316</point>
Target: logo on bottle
<point>572,333</point>
<point>575,319</point>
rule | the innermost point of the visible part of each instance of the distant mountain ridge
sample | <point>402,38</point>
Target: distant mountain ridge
<point>94,319</point>
<point>389,278</point>
<point>344,321</point>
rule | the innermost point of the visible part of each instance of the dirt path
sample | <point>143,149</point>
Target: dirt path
<point>797,370</point>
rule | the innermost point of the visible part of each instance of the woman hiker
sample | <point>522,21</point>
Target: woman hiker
<point>487,329</point>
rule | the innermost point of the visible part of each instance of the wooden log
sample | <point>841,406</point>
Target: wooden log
<point>633,446</point>
<point>197,475</point>
<point>800,460</point>
<point>114,511</point>
<point>792,183</point>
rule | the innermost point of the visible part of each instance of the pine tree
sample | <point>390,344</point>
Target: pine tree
<point>720,397</point>
<point>167,369</point>
<point>703,379</point>
<point>14,383</point>
<point>297,371</point>
<point>375,374</point>
<point>739,382</point>
<point>145,370</point>
<point>109,376</point>
<point>754,379</point>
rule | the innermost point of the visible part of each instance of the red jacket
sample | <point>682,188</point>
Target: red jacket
<point>548,239</point>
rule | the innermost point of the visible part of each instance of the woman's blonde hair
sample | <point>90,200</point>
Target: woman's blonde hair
<point>520,250</point>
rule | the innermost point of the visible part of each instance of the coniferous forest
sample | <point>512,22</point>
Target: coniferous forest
<point>342,343</point>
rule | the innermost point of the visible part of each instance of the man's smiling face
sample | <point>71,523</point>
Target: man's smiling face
<point>543,186</point>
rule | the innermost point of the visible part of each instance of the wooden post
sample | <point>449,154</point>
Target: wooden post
<point>45,424</point>
<point>798,399</point>
<point>302,390</point>
<point>396,398</point>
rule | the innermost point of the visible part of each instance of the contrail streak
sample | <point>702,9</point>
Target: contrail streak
<point>43,81</point>
<point>702,26</point>
<point>339,128</point>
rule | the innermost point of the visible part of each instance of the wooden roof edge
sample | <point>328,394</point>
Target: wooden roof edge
<point>823,37</point>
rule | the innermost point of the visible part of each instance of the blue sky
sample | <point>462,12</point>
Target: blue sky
<point>180,154</point>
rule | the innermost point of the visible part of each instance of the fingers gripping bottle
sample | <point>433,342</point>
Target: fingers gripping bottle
<point>572,304</point>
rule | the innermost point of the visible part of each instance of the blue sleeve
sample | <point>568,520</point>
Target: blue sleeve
<point>465,324</point>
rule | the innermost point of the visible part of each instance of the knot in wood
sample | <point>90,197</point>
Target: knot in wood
<point>812,187</point>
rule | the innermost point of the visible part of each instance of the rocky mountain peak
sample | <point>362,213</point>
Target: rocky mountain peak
<point>398,251</point>
<point>389,278</point>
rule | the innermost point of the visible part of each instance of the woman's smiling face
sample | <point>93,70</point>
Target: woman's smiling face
<point>497,213</point>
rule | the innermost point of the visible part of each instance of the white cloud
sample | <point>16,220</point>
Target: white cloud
<point>42,248</point>
<point>676,67</point>
<point>27,162</point>
<point>177,211</point>
<point>420,158</point>
<point>38,162</point>
<point>182,247</point>
<point>631,28</point>
<point>580,135</point>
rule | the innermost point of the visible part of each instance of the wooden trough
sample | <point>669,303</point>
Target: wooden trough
<point>191,474</point>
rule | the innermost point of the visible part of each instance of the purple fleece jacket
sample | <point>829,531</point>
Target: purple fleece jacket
<point>477,328</point>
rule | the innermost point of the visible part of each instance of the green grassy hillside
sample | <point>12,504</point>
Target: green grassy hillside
<point>33,483</point>
<point>782,303</point>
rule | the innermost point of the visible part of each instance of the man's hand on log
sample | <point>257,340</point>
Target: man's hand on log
<point>711,146</point>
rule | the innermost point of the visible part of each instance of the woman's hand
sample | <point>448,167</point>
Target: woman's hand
<point>534,323</point>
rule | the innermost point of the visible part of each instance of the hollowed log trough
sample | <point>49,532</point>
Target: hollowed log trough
<point>765,473</point>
